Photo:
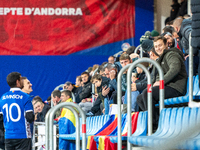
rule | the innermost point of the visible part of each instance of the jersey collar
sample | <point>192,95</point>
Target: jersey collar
<point>15,89</point>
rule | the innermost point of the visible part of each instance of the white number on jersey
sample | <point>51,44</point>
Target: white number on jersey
<point>9,112</point>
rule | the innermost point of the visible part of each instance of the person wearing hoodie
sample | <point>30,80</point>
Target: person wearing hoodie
<point>175,76</point>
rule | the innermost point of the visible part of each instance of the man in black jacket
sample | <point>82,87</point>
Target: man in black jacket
<point>86,89</point>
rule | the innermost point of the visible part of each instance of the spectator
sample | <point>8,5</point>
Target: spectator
<point>147,45</point>
<point>111,59</point>
<point>170,40</point>
<point>40,109</point>
<point>183,8</point>
<point>55,96</point>
<point>66,97</point>
<point>69,86</point>
<point>175,77</point>
<point>87,88</point>
<point>175,9</point>
<point>17,120</point>
<point>154,34</point>
<point>103,88</point>
<point>78,81</point>
<point>184,28</point>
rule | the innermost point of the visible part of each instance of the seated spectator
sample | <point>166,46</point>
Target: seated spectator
<point>78,81</point>
<point>40,109</point>
<point>102,91</point>
<point>175,76</point>
<point>56,98</point>
<point>136,78</point>
<point>27,86</point>
<point>86,89</point>
<point>111,59</point>
<point>69,86</point>
<point>66,97</point>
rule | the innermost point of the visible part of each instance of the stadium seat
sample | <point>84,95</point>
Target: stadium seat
<point>172,123</point>
<point>140,130</point>
<point>185,99</point>
<point>93,124</point>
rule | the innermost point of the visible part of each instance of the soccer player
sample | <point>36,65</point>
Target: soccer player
<point>17,111</point>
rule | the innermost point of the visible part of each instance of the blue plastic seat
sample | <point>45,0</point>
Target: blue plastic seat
<point>93,124</point>
<point>140,130</point>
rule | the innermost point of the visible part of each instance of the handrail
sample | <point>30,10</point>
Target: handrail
<point>129,100</point>
<point>119,95</point>
<point>190,70</point>
<point>141,50</point>
<point>93,87</point>
<point>49,124</point>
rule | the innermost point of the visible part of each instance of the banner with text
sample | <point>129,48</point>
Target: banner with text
<point>62,27</point>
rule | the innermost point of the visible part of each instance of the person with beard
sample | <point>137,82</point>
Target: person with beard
<point>170,40</point>
<point>17,111</point>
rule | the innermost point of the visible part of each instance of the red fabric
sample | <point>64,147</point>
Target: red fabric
<point>99,23</point>
<point>109,129</point>
<point>93,145</point>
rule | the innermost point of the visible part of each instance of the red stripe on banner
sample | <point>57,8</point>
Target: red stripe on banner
<point>83,128</point>
<point>149,88</point>
<point>161,84</point>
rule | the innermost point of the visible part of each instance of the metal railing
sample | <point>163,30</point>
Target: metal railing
<point>119,94</point>
<point>49,124</point>
<point>141,50</point>
<point>190,70</point>
<point>93,87</point>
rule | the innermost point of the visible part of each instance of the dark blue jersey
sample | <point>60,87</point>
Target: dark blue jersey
<point>14,105</point>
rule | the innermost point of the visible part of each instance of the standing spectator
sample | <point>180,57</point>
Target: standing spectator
<point>174,11</point>
<point>183,8</point>
<point>17,111</point>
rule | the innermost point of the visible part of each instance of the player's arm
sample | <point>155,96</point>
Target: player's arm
<point>29,111</point>
<point>30,116</point>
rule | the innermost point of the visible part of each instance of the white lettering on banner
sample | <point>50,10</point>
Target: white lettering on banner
<point>40,11</point>
<point>12,97</point>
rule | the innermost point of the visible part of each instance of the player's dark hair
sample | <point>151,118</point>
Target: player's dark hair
<point>12,79</point>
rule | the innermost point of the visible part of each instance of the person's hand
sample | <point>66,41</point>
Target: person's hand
<point>112,74</point>
<point>83,100</point>
<point>133,79</point>
<point>103,111</point>
<point>157,83</point>
<point>105,90</point>
<point>186,57</point>
<point>133,87</point>
<point>54,103</point>
<point>134,55</point>
<point>36,116</point>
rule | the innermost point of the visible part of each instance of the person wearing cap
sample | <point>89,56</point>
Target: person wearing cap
<point>154,34</point>
<point>69,86</point>
<point>147,45</point>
